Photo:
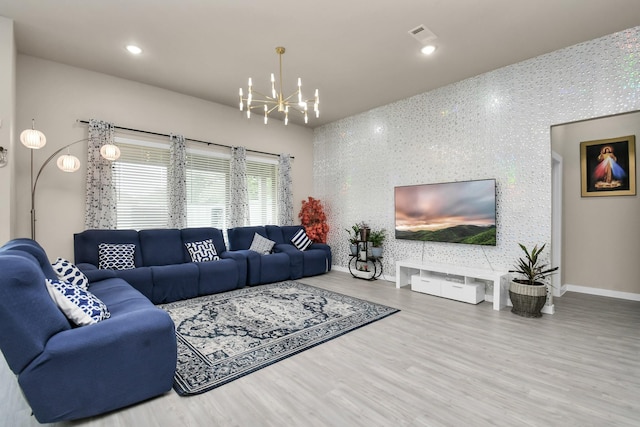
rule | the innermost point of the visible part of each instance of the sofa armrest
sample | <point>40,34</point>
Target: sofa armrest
<point>84,371</point>
<point>287,248</point>
<point>240,257</point>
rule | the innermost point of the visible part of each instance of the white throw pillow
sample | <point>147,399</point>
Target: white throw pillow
<point>262,245</point>
<point>80,306</point>
<point>202,251</point>
<point>68,272</point>
<point>116,256</point>
<point>300,240</point>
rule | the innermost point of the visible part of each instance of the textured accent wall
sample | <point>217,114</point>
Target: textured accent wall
<point>496,125</point>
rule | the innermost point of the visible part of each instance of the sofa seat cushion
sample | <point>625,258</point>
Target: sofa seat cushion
<point>174,282</point>
<point>119,296</point>
<point>272,267</point>
<point>217,276</point>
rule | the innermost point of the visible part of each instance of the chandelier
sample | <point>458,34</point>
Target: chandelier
<point>277,101</point>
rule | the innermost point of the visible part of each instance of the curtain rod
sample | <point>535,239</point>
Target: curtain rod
<point>86,122</point>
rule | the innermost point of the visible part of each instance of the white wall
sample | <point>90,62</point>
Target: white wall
<point>57,95</point>
<point>7,116</point>
<point>496,125</point>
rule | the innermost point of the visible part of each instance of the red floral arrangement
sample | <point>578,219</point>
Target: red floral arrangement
<point>314,220</point>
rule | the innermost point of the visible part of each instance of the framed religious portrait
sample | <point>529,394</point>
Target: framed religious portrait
<point>608,167</point>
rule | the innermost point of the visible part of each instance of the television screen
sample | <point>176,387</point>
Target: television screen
<point>454,212</point>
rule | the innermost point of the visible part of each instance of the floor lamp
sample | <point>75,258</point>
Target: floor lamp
<point>34,140</point>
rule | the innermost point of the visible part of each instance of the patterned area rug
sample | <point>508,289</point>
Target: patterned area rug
<point>225,336</point>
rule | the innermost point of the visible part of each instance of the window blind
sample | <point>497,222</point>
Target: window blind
<point>140,175</point>
<point>141,187</point>
<point>207,190</point>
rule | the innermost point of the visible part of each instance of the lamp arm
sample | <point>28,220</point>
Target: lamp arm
<point>46,162</point>
<point>35,182</point>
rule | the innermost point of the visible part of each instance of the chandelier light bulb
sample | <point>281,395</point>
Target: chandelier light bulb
<point>68,163</point>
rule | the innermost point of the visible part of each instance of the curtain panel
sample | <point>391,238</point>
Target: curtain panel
<point>285,193</point>
<point>239,195</point>
<point>100,203</point>
<point>177,183</point>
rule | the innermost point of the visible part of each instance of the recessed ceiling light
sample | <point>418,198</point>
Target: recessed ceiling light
<point>134,49</point>
<point>428,49</point>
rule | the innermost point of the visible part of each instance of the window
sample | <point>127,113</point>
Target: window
<point>207,190</point>
<point>261,184</point>
<point>140,175</point>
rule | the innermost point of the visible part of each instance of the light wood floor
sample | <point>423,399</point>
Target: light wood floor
<point>436,363</point>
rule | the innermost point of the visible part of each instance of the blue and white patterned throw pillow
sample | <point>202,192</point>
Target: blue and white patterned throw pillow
<point>262,245</point>
<point>116,256</point>
<point>300,240</point>
<point>80,306</point>
<point>68,272</point>
<point>202,251</point>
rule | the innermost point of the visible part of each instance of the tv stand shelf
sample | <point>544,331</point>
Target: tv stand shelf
<point>453,281</point>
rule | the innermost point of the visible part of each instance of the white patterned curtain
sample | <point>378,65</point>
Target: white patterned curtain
<point>177,183</point>
<point>239,197</point>
<point>100,206</point>
<point>285,195</point>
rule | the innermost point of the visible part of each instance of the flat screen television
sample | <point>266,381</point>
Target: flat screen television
<point>453,212</point>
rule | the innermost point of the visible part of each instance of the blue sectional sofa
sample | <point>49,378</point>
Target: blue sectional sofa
<point>285,261</point>
<point>164,271</point>
<point>68,372</point>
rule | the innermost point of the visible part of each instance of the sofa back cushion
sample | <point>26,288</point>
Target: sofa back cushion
<point>162,247</point>
<point>33,248</point>
<point>284,233</point>
<point>242,237</point>
<point>28,315</point>
<point>85,244</point>
<point>202,233</point>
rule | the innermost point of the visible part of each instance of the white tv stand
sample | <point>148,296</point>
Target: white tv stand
<point>453,281</point>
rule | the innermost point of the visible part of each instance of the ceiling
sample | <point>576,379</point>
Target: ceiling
<point>358,53</point>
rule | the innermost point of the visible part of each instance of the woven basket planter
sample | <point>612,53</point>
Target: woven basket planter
<point>527,300</point>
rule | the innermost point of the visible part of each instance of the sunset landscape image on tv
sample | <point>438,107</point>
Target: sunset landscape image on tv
<point>453,212</point>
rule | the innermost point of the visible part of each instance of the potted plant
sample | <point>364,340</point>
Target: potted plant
<point>528,292</point>
<point>354,238</point>
<point>376,238</point>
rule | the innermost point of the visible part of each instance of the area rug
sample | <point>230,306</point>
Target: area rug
<point>225,336</point>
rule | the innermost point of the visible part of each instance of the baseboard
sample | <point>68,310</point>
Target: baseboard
<point>602,292</point>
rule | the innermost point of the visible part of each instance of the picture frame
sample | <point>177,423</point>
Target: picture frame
<point>608,167</point>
